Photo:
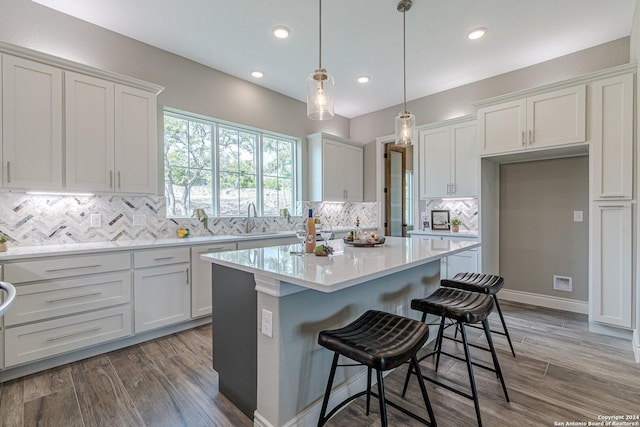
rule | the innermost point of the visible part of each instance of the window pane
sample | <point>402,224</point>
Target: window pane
<point>229,194</point>
<point>178,191</point>
<point>285,157</point>
<point>228,149</point>
<point>199,145</point>
<point>176,139</point>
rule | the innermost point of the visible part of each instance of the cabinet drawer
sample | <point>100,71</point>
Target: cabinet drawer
<point>159,257</point>
<point>65,297</point>
<point>54,268</point>
<point>45,339</point>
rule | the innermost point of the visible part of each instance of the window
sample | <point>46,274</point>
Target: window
<point>222,168</point>
<point>408,194</point>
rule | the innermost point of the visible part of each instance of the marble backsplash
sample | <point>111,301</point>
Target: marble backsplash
<point>29,220</point>
<point>465,209</point>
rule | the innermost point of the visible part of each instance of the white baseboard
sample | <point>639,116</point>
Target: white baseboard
<point>547,301</point>
<point>636,344</point>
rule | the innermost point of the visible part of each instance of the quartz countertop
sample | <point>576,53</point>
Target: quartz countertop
<point>444,233</point>
<point>348,266</point>
<point>23,252</point>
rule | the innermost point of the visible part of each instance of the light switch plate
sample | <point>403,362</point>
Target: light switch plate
<point>139,220</point>
<point>96,220</point>
<point>578,216</point>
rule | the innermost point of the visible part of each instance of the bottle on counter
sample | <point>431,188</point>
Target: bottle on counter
<point>358,230</point>
<point>310,243</point>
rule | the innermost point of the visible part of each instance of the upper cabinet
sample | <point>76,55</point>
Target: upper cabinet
<point>109,124</point>
<point>335,169</point>
<point>539,121</point>
<point>611,145</point>
<point>449,159</point>
<point>31,125</point>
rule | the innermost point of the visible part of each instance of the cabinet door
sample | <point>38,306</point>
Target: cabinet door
<point>162,296</point>
<point>435,164</point>
<point>89,108</point>
<point>465,160</point>
<point>461,262</point>
<point>353,174</point>
<point>501,128</point>
<point>135,141</point>
<point>32,124</point>
<point>333,171</point>
<point>611,264</point>
<point>557,118</point>
<point>201,278</point>
<point>611,146</point>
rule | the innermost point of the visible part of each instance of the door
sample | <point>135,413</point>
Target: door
<point>501,128</point>
<point>395,171</point>
<point>436,163</point>
<point>333,171</point>
<point>32,124</point>
<point>201,278</point>
<point>353,178</point>
<point>464,160</point>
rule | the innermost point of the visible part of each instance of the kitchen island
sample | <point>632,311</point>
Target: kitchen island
<point>270,304</point>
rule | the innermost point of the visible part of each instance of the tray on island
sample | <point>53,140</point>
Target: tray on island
<point>369,243</point>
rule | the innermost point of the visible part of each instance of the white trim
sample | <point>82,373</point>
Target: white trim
<point>260,421</point>
<point>584,79</point>
<point>636,345</point>
<point>448,122</point>
<point>547,301</point>
<point>274,287</point>
<point>44,58</point>
<point>612,331</point>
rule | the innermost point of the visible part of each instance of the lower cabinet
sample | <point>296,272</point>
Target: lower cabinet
<point>201,278</point>
<point>462,262</point>
<point>161,288</point>
<point>611,264</point>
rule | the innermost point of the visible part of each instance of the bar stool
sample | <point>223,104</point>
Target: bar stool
<point>486,284</point>
<point>463,308</point>
<point>380,341</point>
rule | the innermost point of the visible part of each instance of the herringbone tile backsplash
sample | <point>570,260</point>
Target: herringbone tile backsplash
<point>465,209</point>
<point>39,220</point>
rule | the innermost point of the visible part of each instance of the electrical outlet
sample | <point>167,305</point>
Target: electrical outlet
<point>96,220</point>
<point>267,323</point>
<point>139,220</point>
<point>578,216</point>
<point>400,310</point>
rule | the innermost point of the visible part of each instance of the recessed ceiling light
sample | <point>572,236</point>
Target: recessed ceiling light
<point>281,32</point>
<point>257,74</point>
<point>364,79</point>
<point>477,33</point>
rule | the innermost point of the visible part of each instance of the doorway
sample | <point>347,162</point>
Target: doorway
<point>395,167</point>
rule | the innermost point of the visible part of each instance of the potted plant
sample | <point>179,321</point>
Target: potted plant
<point>455,224</point>
<point>3,243</point>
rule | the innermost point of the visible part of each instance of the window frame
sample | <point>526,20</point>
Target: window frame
<point>296,173</point>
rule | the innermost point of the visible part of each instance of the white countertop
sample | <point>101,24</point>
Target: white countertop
<point>347,267</point>
<point>23,252</point>
<point>443,233</point>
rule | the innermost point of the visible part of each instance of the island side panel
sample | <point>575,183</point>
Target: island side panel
<point>293,368</point>
<point>234,319</point>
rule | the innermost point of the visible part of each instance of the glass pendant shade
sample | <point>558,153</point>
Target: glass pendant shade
<point>320,95</point>
<point>405,127</point>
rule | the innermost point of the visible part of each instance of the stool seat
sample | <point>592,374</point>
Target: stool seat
<point>475,282</point>
<point>378,340</point>
<point>457,304</point>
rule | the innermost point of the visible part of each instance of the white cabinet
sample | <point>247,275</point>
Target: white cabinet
<point>449,161</point>
<point>611,263</point>
<point>335,169</point>
<point>110,136</point>
<point>611,145</point>
<point>162,291</point>
<point>544,120</point>
<point>201,277</point>
<point>461,262</point>
<point>31,125</point>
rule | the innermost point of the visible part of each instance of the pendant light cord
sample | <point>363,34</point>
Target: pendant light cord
<point>320,35</point>
<point>404,56</point>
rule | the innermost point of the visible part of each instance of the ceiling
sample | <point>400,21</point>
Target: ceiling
<point>362,37</point>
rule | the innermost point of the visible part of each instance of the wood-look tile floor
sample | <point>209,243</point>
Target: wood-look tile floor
<point>562,373</point>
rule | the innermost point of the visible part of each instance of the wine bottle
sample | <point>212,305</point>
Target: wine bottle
<point>310,244</point>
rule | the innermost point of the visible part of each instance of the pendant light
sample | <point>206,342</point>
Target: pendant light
<point>405,121</point>
<point>320,86</point>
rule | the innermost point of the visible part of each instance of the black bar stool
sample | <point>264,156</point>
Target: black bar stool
<point>463,308</point>
<point>380,341</point>
<point>486,284</point>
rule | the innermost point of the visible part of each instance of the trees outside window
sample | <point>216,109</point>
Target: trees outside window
<point>223,168</point>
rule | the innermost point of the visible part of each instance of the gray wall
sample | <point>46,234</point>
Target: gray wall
<point>458,101</point>
<point>188,85</point>
<point>538,237</point>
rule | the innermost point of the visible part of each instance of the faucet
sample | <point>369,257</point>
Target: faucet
<point>248,229</point>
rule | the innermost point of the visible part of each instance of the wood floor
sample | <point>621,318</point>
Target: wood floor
<point>562,373</point>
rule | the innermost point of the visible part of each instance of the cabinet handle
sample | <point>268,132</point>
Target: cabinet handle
<point>84,331</point>
<point>216,249</point>
<point>110,179</point>
<point>164,258</point>
<point>8,172</point>
<point>187,271</point>
<point>73,297</point>
<point>523,141</point>
<point>530,136</point>
<point>453,188</point>
<point>119,181</point>
<point>53,270</point>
